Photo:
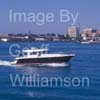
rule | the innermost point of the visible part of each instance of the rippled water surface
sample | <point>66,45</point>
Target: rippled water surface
<point>86,63</point>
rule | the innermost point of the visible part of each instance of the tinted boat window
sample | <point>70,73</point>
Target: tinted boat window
<point>33,53</point>
<point>39,53</point>
<point>24,54</point>
<point>44,52</point>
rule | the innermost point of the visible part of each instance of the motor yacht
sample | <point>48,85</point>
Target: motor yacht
<point>41,56</point>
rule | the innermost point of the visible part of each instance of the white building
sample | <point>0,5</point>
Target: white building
<point>88,33</point>
<point>73,32</point>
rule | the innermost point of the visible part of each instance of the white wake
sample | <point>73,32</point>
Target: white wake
<point>5,63</point>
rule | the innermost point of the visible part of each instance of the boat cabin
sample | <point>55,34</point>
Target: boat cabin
<point>34,52</point>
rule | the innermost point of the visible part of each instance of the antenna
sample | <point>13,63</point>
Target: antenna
<point>29,42</point>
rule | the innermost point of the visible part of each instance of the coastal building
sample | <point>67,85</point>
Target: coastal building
<point>73,32</point>
<point>88,33</point>
<point>98,33</point>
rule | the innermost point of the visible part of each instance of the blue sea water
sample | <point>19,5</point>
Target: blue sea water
<point>86,63</point>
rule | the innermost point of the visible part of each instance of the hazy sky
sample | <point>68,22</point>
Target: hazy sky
<point>88,14</point>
